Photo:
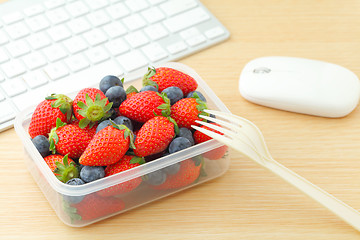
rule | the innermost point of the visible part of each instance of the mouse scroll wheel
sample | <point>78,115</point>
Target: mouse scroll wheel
<point>262,70</point>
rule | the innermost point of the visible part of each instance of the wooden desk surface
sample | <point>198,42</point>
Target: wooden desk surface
<point>248,202</point>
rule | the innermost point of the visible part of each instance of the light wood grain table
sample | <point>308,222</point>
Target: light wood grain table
<point>247,202</point>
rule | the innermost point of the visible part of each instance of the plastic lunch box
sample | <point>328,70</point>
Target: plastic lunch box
<point>57,192</point>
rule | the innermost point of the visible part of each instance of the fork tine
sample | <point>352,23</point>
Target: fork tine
<point>221,129</point>
<point>216,136</point>
<point>233,126</point>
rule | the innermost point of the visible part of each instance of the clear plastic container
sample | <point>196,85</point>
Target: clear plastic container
<point>62,196</point>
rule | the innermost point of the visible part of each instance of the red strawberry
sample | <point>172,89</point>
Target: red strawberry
<point>145,105</point>
<point>167,77</point>
<point>69,139</point>
<point>46,113</point>
<point>90,106</point>
<point>154,136</point>
<point>215,154</point>
<point>187,110</point>
<point>90,130</point>
<point>63,167</point>
<point>107,146</point>
<point>93,206</point>
<point>127,162</point>
<point>187,174</point>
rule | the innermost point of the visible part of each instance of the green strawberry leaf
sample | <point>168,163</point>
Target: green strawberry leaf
<point>65,170</point>
<point>131,89</point>
<point>136,159</point>
<point>176,127</point>
<point>82,105</point>
<point>84,122</point>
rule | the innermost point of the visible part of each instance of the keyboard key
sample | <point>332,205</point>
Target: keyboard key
<point>12,17</point>
<point>186,19</point>
<point>214,32</point>
<point>37,23</point>
<point>75,44</point>
<point>56,70</point>
<point>18,48</point>
<point>3,37</point>
<point>136,39</point>
<point>76,62</point>
<point>13,68</point>
<point>114,29</point>
<point>153,15</point>
<point>35,78</point>
<point>34,60</point>
<point>50,4</point>
<point>78,25</point>
<point>177,47</point>
<point>117,46</point>
<point>154,52</point>
<point>59,33</point>
<point>192,36</point>
<point>98,18</point>
<point>3,56</point>
<point>95,37</point>
<point>97,4</point>
<point>134,22</point>
<point>77,9</point>
<point>132,60</point>
<point>34,10</point>
<point>54,52</point>
<point>13,87</point>
<point>57,16</point>
<point>153,2</point>
<point>196,40</point>
<point>117,11</point>
<point>173,7</point>
<point>17,30</point>
<point>156,31</point>
<point>7,112</point>
<point>97,54</point>
<point>36,95</point>
<point>2,77</point>
<point>38,40</point>
<point>2,97</point>
<point>136,5</point>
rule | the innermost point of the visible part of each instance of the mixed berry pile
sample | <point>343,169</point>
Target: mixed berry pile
<point>110,129</point>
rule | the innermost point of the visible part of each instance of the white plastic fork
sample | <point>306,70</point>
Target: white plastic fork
<point>245,137</point>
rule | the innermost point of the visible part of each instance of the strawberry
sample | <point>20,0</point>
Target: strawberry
<point>131,91</point>
<point>187,110</point>
<point>200,137</point>
<point>90,130</point>
<point>64,168</point>
<point>93,206</point>
<point>46,113</point>
<point>154,136</point>
<point>164,77</point>
<point>145,105</point>
<point>189,171</point>
<point>126,162</point>
<point>91,106</point>
<point>108,146</point>
<point>69,139</point>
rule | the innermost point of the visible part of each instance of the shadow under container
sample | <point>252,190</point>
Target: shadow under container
<point>72,202</point>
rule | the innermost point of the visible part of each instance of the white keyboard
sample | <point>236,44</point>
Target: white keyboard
<point>64,45</point>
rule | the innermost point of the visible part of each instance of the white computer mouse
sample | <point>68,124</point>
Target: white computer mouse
<point>300,85</point>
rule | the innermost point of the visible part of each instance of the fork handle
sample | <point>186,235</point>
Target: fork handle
<point>339,208</point>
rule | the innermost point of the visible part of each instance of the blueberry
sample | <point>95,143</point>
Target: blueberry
<point>178,144</point>
<point>149,88</point>
<point>42,145</point>
<point>108,82</point>
<point>103,125</point>
<point>172,169</point>
<point>125,121</point>
<point>186,133</point>
<point>157,177</point>
<point>74,199</point>
<point>201,96</point>
<point>174,94</point>
<point>92,173</point>
<point>116,95</point>
<point>213,116</point>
